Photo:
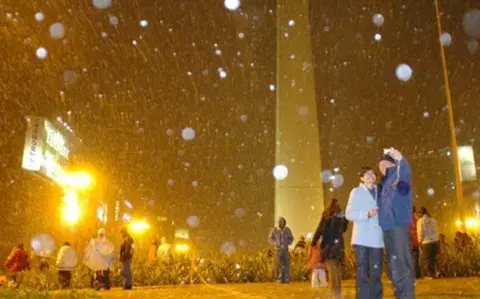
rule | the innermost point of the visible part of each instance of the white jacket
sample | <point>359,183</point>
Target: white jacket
<point>366,230</point>
<point>66,259</point>
<point>427,230</point>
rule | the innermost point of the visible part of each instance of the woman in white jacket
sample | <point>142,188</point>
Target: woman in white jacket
<point>367,236</point>
<point>66,261</point>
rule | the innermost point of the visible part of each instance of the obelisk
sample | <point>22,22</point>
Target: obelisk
<point>298,197</point>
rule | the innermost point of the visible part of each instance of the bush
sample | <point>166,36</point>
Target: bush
<point>25,294</point>
<point>236,268</point>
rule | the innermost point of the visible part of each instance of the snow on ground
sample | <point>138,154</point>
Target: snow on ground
<point>431,289</point>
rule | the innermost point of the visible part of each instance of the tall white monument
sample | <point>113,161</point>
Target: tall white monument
<point>298,197</point>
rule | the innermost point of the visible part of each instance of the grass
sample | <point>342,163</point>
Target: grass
<point>425,289</point>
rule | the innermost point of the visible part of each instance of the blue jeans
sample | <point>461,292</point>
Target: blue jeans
<point>369,272</point>
<point>398,243</point>
<point>127,274</point>
<point>282,265</point>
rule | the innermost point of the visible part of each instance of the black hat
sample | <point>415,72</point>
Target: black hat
<point>387,158</point>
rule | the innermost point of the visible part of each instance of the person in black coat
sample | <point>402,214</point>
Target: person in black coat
<point>331,228</point>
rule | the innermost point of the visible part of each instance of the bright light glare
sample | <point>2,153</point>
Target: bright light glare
<point>78,180</point>
<point>458,223</point>
<point>71,210</point>
<point>471,223</point>
<point>182,248</point>
<point>139,226</point>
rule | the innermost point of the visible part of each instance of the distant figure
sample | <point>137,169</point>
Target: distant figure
<point>17,262</point>
<point>316,264</point>
<point>427,231</point>
<point>126,256</point>
<point>462,241</point>
<point>443,256</point>
<point>301,246</point>
<point>415,245</point>
<point>281,238</point>
<point>367,236</point>
<point>152,252</point>
<point>331,228</point>
<point>395,217</point>
<point>66,261</point>
<point>98,257</point>
<point>165,251</point>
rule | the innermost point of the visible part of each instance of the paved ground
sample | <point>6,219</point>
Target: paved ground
<point>441,289</point>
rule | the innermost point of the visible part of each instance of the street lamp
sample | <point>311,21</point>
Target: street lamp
<point>138,226</point>
<point>80,180</point>
<point>71,209</point>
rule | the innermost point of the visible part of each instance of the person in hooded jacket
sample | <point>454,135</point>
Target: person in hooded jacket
<point>126,256</point>
<point>428,236</point>
<point>331,228</point>
<point>17,261</point>
<point>281,237</point>
<point>395,205</point>
<point>66,261</point>
<point>98,257</point>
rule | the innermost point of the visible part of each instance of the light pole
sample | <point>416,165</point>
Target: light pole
<point>451,122</point>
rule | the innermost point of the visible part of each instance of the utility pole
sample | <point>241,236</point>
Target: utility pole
<point>451,122</point>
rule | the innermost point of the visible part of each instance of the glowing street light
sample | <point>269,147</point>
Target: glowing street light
<point>71,209</point>
<point>138,226</point>
<point>470,223</point>
<point>182,248</point>
<point>80,180</point>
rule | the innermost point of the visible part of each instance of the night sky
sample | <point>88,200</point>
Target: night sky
<point>128,89</point>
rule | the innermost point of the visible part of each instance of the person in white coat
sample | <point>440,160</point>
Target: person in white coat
<point>66,261</point>
<point>367,236</point>
<point>428,236</point>
<point>98,257</point>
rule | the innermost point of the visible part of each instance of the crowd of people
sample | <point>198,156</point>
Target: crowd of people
<point>98,257</point>
<point>385,226</point>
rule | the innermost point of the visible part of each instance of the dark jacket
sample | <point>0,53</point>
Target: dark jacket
<point>281,238</point>
<point>331,230</point>
<point>126,250</point>
<point>395,202</point>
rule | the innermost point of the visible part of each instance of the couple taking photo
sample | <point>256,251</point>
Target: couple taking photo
<point>382,217</point>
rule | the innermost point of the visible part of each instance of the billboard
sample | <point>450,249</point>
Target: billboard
<point>466,159</point>
<point>47,149</point>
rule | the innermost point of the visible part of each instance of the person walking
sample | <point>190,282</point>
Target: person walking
<point>18,261</point>
<point>428,236</point>
<point>395,218</point>
<point>281,237</point>
<point>126,256</point>
<point>331,228</point>
<point>66,261</point>
<point>415,245</point>
<point>367,236</point>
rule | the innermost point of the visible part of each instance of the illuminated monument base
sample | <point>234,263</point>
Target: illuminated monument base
<point>299,197</point>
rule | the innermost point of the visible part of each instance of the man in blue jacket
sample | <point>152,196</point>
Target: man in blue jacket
<point>395,217</point>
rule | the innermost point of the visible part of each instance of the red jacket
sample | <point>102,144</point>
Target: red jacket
<point>17,261</point>
<point>315,260</point>
<point>413,228</point>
